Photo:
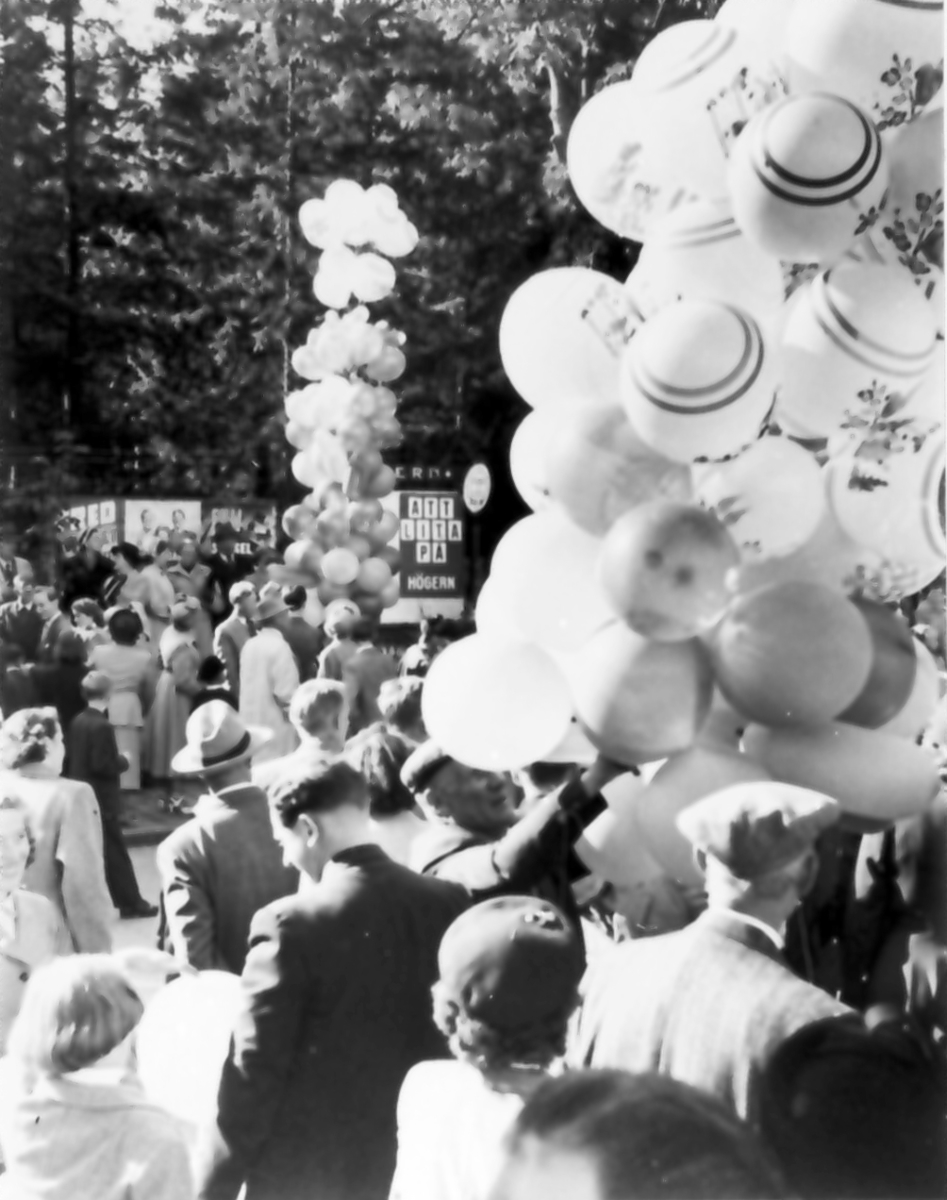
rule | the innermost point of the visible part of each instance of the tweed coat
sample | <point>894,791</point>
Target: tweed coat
<point>707,1005</point>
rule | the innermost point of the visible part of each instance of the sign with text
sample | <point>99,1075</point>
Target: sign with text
<point>432,544</point>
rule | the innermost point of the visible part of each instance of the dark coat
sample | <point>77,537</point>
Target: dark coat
<point>21,627</point>
<point>707,1005</point>
<point>79,579</point>
<point>306,643</point>
<point>94,758</point>
<point>57,624</point>
<point>337,1010</point>
<point>59,686</point>
<point>216,872</point>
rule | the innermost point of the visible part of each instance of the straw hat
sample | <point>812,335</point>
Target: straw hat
<point>217,739</point>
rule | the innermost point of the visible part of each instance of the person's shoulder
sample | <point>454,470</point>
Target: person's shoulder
<point>429,1088</point>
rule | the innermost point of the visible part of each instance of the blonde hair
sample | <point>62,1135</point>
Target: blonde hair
<point>75,1010</point>
<point>316,705</point>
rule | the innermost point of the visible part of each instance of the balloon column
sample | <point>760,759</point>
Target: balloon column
<point>344,417</point>
<point>736,458</point>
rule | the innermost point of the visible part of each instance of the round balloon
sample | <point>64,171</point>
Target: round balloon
<point>683,780</point>
<point>529,451</point>
<point>611,847</point>
<point>665,569</point>
<point>598,468</point>
<point>900,513</point>
<point>340,566</point>
<point>697,381</point>
<point>791,654</point>
<point>911,721</point>
<point>492,615</point>
<point>543,574</point>
<point>495,705</point>
<point>872,775</point>
<point>612,164</point>
<point>640,700</point>
<point>575,747</point>
<point>857,336</point>
<point>562,334</point>
<point>882,54</point>
<point>806,175</point>
<point>893,668</point>
<point>691,79</point>
<point>698,252</point>
<point>771,497</point>
<point>183,1040</point>
<point>373,577</point>
<point>303,556</point>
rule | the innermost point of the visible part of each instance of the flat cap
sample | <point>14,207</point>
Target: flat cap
<point>423,765</point>
<point>512,962</point>
<point>755,828</point>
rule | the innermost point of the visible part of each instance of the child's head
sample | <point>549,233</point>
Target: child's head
<point>211,672</point>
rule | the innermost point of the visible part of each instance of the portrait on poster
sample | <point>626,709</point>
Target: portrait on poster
<point>148,522</point>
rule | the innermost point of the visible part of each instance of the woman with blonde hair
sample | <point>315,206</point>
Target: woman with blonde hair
<point>31,929</point>
<point>75,1123</point>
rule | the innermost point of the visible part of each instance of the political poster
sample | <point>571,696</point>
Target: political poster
<point>433,562</point>
<point>148,522</point>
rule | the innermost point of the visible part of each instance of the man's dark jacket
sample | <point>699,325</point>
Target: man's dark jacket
<point>337,1009</point>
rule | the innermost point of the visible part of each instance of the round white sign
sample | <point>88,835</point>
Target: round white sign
<point>477,485</point>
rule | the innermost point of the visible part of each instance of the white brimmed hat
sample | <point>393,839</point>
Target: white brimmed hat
<point>217,739</point>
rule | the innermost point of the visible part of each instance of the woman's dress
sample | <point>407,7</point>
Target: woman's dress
<point>165,730</point>
<point>158,603</point>
<point>131,671</point>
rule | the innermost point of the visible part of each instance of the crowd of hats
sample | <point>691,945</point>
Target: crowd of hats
<point>735,458</point>
<point>344,417</point>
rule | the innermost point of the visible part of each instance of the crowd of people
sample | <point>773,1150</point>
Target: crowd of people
<point>439,999</point>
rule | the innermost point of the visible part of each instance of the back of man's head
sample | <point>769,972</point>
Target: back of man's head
<point>399,701</point>
<point>316,706</point>
<point>363,629</point>
<point>317,790</point>
<point>640,1135</point>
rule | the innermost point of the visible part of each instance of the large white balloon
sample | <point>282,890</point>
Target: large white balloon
<point>698,252</point>
<point>895,507</point>
<point>544,569</point>
<point>183,1040</point>
<point>882,54</point>
<point>806,176</point>
<point>612,164</point>
<point>562,335</point>
<point>529,452</point>
<point>697,381</point>
<point>699,83</point>
<point>496,705</point>
<point>855,334</point>
<point>771,497</point>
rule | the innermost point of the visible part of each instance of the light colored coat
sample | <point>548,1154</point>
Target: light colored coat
<point>90,1135</point>
<point>268,679</point>
<point>69,864</point>
<point>39,935</point>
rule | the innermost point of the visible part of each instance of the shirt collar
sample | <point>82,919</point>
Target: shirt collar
<point>773,934</point>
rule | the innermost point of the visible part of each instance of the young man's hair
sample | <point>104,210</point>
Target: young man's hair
<point>316,705</point>
<point>399,701</point>
<point>318,789</point>
<point>125,627</point>
<point>648,1135</point>
<point>379,754</point>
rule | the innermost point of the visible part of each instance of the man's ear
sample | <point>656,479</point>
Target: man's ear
<point>308,828</point>
<point>808,874</point>
<point>700,860</point>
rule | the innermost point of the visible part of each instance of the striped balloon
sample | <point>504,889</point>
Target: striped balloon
<point>806,175</point>
<point>856,334</point>
<point>881,54</point>
<point>697,381</point>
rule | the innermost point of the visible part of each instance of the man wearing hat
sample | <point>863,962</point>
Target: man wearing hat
<point>223,865</point>
<point>226,566</point>
<point>336,1007</point>
<point>94,759</point>
<point>476,840</point>
<point>269,678</point>
<point>710,1004</point>
<point>232,634</point>
<point>509,981</point>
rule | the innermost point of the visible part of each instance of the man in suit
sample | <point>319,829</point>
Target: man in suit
<point>226,566</point>
<point>711,1003</point>
<point>305,640</point>
<point>364,673</point>
<point>232,635</point>
<point>55,623</point>
<point>223,865</point>
<point>21,622</point>
<point>336,1008</point>
<point>319,713</point>
<point>94,759</point>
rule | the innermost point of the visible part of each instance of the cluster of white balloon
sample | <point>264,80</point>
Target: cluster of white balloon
<point>344,417</point>
<point>732,451</point>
